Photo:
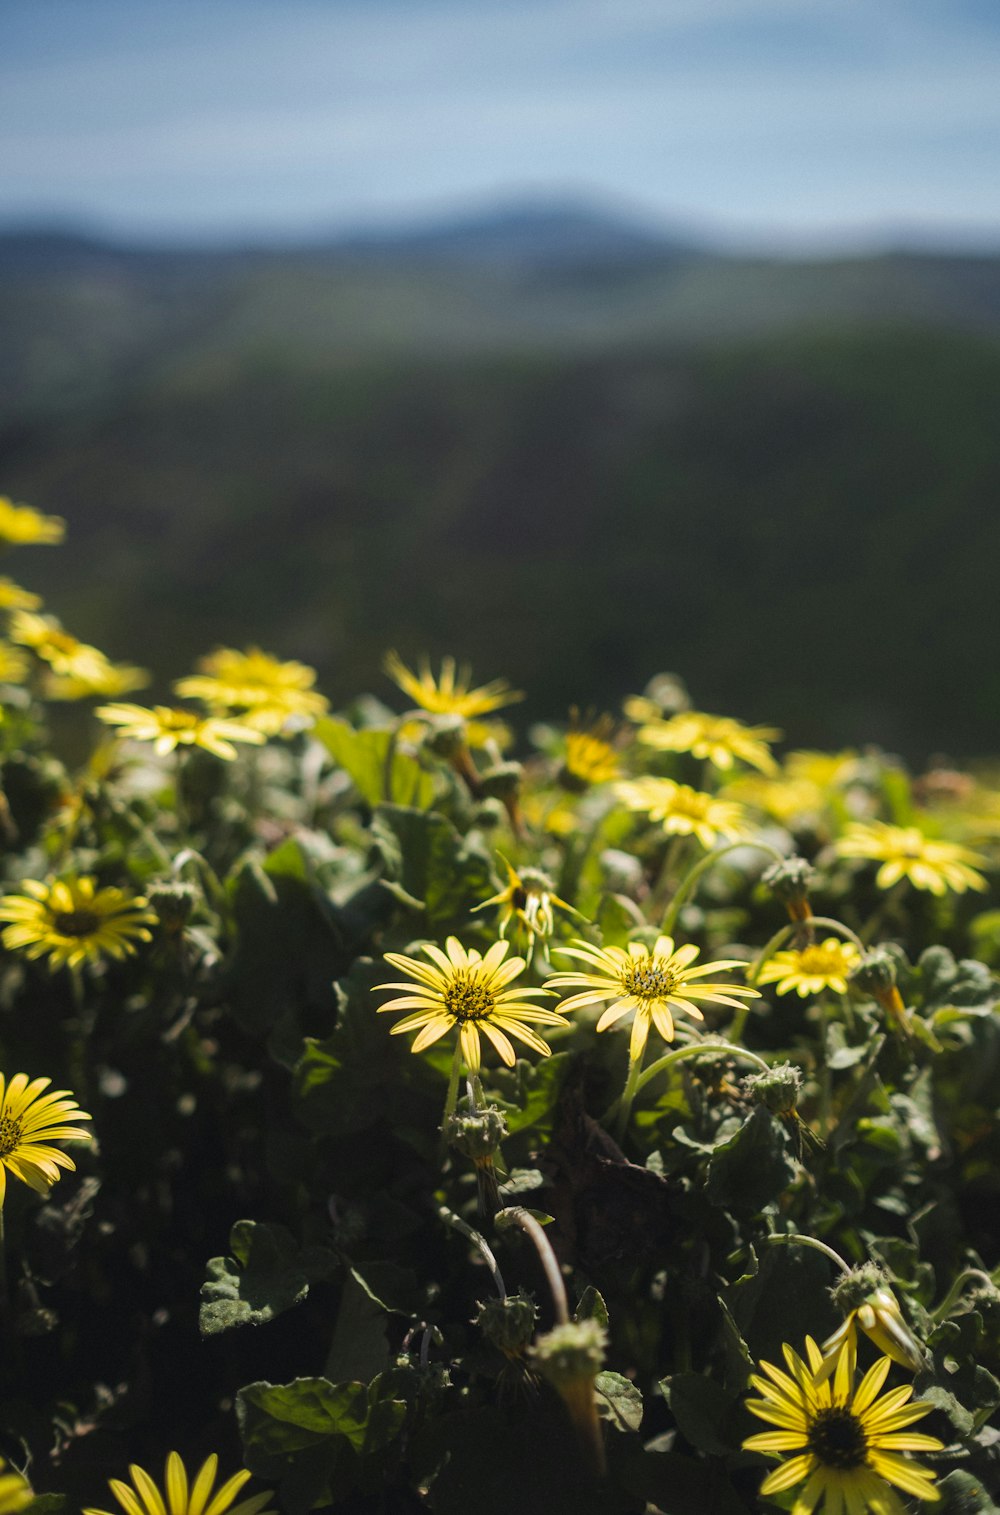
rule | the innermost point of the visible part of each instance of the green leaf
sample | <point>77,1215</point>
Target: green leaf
<point>432,864</point>
<point>618,1401</point>
<point>263,1278</point>
<point>963,1494</point>
<point>704,1412</point>
<point>362,755</point>
<point>592,1307</point>
<point>753,1167</point>
<point>679,1485</point>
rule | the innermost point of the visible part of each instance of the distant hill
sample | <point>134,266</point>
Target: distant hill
<point>780,478</point>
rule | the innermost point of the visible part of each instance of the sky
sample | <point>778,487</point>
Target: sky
<point>792,123</point>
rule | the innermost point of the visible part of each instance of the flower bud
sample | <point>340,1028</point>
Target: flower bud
<point>477,1134</point>
<point>791,880</point>
<point>777,1090</point>
<point>508,1324</point>
<point>502,781</point>
<point>173,901</point>
<point>571,1353</point>
<point>445,735</point>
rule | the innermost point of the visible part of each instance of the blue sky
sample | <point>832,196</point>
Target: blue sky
<point>795,122</point>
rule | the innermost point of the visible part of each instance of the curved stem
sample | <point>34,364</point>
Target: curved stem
<point>623,1106</point>
<point>838,926</point>
<point>796,1239</point>
<point>691,878</point>
<point>451,1219</point>
<point>516,1215</point>
<point>951,1298</point>
<point>768,951</point>
<point>451,1097</point>
<point>699,1049</point>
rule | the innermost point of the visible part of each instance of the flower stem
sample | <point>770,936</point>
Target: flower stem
<point>624,1105</point>
<point>516,1215</point>
<point>690,879</point>
<point>451,1098</point>
<point>486,1251</point>
<point>968,1275</point>
<point>699,1049</point>
<point>796,1239</point>
<point>4,1297</point>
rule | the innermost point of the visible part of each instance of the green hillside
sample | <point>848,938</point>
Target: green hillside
<point>780,479</point>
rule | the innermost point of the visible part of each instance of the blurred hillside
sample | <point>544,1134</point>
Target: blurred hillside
<point>568,451</point>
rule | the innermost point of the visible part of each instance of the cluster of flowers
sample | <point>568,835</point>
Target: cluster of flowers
<point>847,1445</point>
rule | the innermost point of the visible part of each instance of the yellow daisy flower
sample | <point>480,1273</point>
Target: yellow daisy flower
<point>465,989</point>
<point>13,597</point>
<point>23,526</point>
<point>810,970</point>
<point>13,664</point>
<point>15,1492</point>
<point>65,654</point>
<point>871,1306</point>
<point>169,728</point>
<point>200,1498</point>
<point>30,1120</point>
<point>589,757</point>
<point>845,1440</point>
<point>529,898</point>
<point>451,693</point>
<point>103,680</point>
<point>269,692</point>
<point>648,983</point>
<point>905,852</point>
<point>72,921</point>
<point>717,737</point>
<point>683,811</point>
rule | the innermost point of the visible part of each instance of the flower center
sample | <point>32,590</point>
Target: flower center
<point>468,999</point>
<point>820,960</point>
<point>10,1133</point>
<point>76,922</point>
<point>652,978</point>
<point>687,802</point>
<point>838,1438</point>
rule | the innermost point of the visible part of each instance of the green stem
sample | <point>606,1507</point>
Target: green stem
<point>796,1239</point>
<point>886,908</point>
<point>451,1098</point>
<point>624,1106</point>
<point>515,1215</point>
<point>699,1049</point>
<point>768,951</point>
<point>478,1241</point>
<point>825,1074</point>
<point>4,1297</point>
<point>688,882</point>
<point>830,924</point>
<point>953,1293</point>
<point>180,808</point>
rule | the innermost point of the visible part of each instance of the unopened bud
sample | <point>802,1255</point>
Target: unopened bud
<point>173,902</point>
<point>791,880</point>
<point>502,781</point>
<point>571,1353</point>
<point>477,1134</point>
<point>875,974</point>
<point>777,1090</point>
<point>445,735</point>
<point>508,1324</point>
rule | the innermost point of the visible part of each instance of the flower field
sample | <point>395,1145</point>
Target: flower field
<point>404,1110</point>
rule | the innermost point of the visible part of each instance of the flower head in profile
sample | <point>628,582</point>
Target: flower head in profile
<point>13,597</point>
<point>23,526</point>
<point>683,811</point>
<point>905,852</point>
<point>810,970</point>
<point>719,738</point>
<point>30,1121</point>
<point>66,655</point>
<point>528,899</point>
<point>168,728</point>
<point>846,1443</point>
<point>452,693</point>
<point>71,921</point>
<point>269,693</point>
<point>95,679</point>
<point>178,1497</point>
<point>463,988</point>
<point>869,1305</point>
<point>650,983</point>
<point>14,665</point>
<point>15,1491</point>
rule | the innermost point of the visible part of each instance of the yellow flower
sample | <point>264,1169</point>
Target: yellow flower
<point>683,811</point>
<point>464,989</point>
<point>648,983</point>
<point>65,654</point>
<point>169,728</point>
<point>13,664</point>
<point>826,770</point>
<point>30,1121</point>
<point>13,597</point>
<point>144,1498</point>
<point>905,852</point>
<point>716,737</point>
<point>268,691</point>
<point>871,1304</point>
<point>810,970</point>
<point>589,757</point>
<point>101,680</point>
<point>845,1440</point>
<point>22,526</point>
<point>72,921</point>
<point>15,1492</point>
<point>528,898</point>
